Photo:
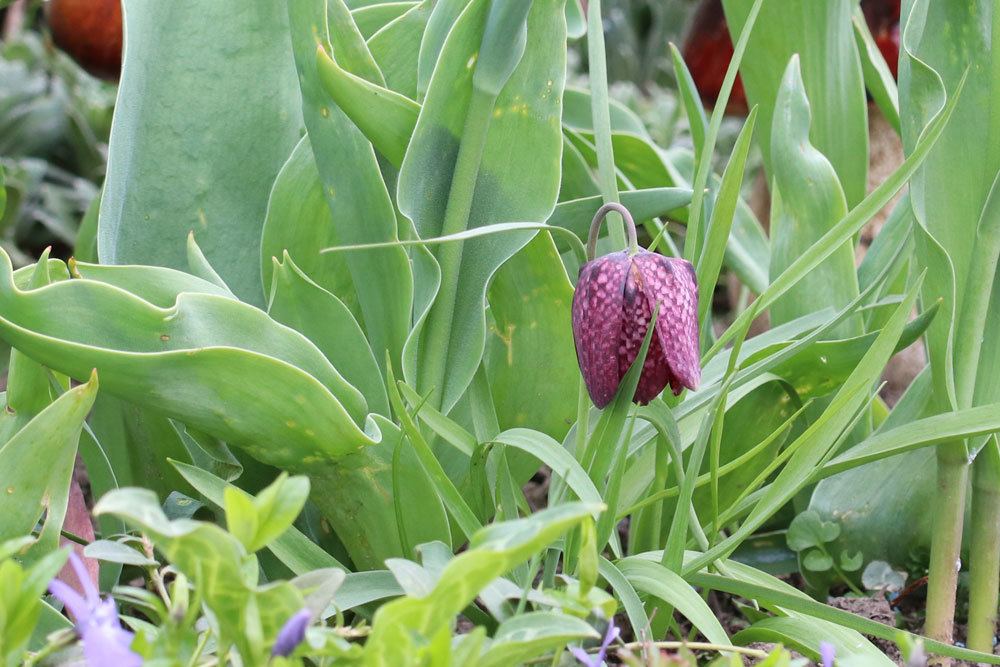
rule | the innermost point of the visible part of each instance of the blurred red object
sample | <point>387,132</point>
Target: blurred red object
<point>708,47</point>
<point>90,31</point>
<point>707,51</point>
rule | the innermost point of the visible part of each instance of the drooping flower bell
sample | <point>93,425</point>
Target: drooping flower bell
<point>614,301</point>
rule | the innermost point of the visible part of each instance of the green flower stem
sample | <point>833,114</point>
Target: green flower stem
<point>456,219</point>
<point>595,228</point>
<point>984,561</point>
<point>946,543</point>
<point>600,109</point>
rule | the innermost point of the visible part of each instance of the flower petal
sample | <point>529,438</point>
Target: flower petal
<point>671,283</point>
<point>597,324</point>
<point>636,316</point>
<point>77,606</point>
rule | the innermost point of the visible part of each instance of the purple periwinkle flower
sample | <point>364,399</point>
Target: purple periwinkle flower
<point>105,641</point>
<point>292,633</point>
<point>597,659</point>
<point>612,308</point>
<point>827,654</point>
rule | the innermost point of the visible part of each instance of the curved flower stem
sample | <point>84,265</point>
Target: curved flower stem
<point>595,228</point>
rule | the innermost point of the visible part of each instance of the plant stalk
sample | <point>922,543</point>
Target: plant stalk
<point>984,557</point>
<point>946,544</point>
<point>600,110</point>
<point>456,219</point>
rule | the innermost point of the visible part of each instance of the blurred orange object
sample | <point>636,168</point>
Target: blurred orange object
<point>90,31</point>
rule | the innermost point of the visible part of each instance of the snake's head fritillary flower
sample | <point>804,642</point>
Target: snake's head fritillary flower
<point>613,305</point>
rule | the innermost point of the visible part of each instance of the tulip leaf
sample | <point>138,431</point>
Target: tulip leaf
<point>802,633</point>
<point>356,194</point>
<point>807,201</point>
<point>373,18</point>
<point>822,35</point>
<point>532,634</point>
<point>396,48</point>
<point>476,158</point>
<point>208,110</point>
<point>299,222</point>
<point>38,463</point>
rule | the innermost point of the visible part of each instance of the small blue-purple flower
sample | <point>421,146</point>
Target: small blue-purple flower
<point>827,653</point>
<point>105,641</point>
<point>292,633</point>
<point>597,659</point>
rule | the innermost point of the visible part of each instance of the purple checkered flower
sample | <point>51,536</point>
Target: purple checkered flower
<point>105,641</point>
<point>612,308</point>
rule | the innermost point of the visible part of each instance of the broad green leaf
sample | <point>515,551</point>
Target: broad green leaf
<point>276,508</point>
<point>396,48</point>
<point>822,35</point>
<point>478,158</point>
<point>805,634</point>
<point>117,552</point>
<point>158,285</point>
<point>530,356</point>
<point>357,196</point>
<point>373,18</point>
<point>200,360</point>
<point>38,463</point>
<point>849,225</point>
<point>385,117</point>
<point>299,222</point>
<point>360,588</point>
<point>663,584</point>
<point>402,626</point>
<point>807,202</point>
<point>532,635</point>
<point>298,302</point>
<point>949,190</point>
<point>208,110</point>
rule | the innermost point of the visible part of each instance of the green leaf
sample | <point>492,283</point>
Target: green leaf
<point>805,634</point>
<point>807,202</point>
<point>879,81</point>
<point>277,506</point>
<point>373,18</point>
<point>477,158</point>
<point>847,226</point>
<point>241,517</point>
<point>807,530</point>
<point>356,194</point>
<point>822,434</point>
<point>208,111</point>
<point>817,561</point>
<point>401,626</point>
<point>656,580</point>
<point>532,635</point>
<point>530,356</point>
<point>697,120</point>
<point>300,303</point>
<point>38,463</point>
<point>823,37</point>
<point>396,48</point>
<point>723,215</point>
<point>555,456</point>
<point>292,547</point>
<point>299,222</point>
<point>768,593</point>
<point>193,361</point>
<point>117,552</point>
